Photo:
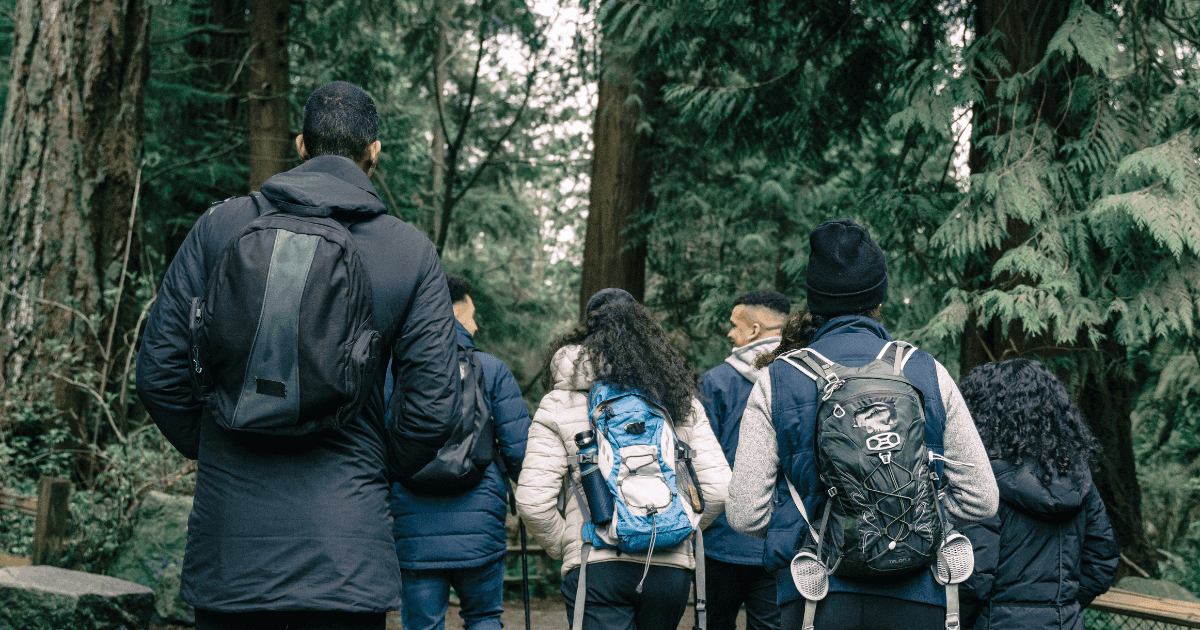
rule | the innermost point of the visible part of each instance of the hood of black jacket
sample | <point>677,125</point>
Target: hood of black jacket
<point>1022,488</point>
<point>327,185</point>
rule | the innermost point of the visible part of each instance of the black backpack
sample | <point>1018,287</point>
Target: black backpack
<point>463,460</point>
<point>283,341</point>
<point>882,517</point>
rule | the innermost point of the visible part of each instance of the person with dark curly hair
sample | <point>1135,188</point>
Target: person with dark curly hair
<point>620,344</point>
<point>1050,549</point>
<point>847,284</point>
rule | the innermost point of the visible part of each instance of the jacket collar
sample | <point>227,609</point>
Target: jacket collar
<point>851,324</point>
<point>464,338</point>
<point>742,358</point>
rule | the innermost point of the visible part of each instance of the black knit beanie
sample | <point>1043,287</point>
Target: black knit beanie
<point>847,272</point>
<point>604,297</point>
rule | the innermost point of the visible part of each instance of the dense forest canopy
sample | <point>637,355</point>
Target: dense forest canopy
<point>1030,168</point>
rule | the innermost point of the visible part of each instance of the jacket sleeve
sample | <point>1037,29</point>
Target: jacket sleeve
<point>1099,555</point>
<point>163,374</point>
<point>756,472</point>
<point>426,398</point>
<point>711,467</point>
<point>511,419</point>
<point>977,590</point>
<point>971,492</point>
<point>541,481</point>
<point>711,399</point>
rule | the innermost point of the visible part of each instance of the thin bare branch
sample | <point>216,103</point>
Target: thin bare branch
<point>95,394</point>
<point>39,300</point>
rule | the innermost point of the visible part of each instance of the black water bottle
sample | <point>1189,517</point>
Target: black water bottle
<point>599,499</point>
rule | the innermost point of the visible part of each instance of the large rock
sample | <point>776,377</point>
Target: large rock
<point>1157,588</point>
<point>49,598</point>
<point>153,555</point>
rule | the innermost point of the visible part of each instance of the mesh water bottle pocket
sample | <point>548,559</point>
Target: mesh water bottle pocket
<point>810,576</point>
<point>955,561</point>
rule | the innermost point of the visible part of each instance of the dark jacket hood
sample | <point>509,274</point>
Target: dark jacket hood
<point>1021,487</point>
<point>323,186</point>
<point>464,338</point>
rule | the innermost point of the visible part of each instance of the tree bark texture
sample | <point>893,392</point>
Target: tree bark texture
<point>620,187</point>
<point>438,146</point>
<point>271,146</point>
<point>70,148</point>
<point>1105,395</point>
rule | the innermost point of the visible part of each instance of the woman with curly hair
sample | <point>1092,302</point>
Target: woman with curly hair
<point>1049,551</point>
<point>619,345</point>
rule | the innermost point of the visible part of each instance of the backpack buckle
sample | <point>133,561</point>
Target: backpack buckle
<point>886,456</point>
<point>684,453</point>
<point>832,383</point>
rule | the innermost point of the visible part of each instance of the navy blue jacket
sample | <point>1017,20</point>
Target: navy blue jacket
<point>853,342</point>
<point>467,530</point>
<point>1046,554</point>
<point>302,523</point>
<point>724,398</point>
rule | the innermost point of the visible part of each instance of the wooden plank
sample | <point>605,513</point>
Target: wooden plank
<point>1121,602</point>
<point>52,515</point>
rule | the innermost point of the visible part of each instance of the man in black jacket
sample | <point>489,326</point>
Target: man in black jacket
<point>294,532</point>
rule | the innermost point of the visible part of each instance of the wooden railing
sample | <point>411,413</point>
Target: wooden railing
<point>1148,607</point>
<point>51,508</point>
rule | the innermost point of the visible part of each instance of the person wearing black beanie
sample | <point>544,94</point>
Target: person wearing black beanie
<point>847,282</point>
<point>847,271</point>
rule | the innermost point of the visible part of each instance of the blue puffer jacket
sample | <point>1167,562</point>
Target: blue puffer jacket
<point>466,530</point>
<point>725,389</point>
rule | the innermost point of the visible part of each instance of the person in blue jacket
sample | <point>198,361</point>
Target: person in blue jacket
<point>733,561</point>
<point>460,540</point>
<point>847,284</point>
<point>1050,549</point>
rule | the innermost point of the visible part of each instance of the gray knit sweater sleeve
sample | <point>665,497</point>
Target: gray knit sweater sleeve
<point>752,490</point>
<point>971,493</point>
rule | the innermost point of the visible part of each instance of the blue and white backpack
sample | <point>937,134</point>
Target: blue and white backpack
<point>657,501</point>
<point>638,455</point>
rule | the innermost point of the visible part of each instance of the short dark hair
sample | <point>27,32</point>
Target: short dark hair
<point>340,119</point>
<point>773,300</point>
<point>460,287</point>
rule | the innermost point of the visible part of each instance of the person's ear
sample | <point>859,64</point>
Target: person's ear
<point>300,147</point>
<point>373,151</point>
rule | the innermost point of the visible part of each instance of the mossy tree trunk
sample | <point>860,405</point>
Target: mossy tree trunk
<point>620,187</point>
<point>271,148</point>
<point>70,148</point>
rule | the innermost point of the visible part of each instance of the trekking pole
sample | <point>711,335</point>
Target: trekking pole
<point>524,571</point>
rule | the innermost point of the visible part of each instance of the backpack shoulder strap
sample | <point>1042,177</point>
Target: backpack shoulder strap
<point>903,351</point>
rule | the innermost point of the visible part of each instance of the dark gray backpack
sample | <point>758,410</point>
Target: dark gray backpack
<point>882,517</point>
<point>462,462</point>
<point>283,341</point>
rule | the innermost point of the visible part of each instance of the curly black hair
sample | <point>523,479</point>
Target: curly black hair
<point>799,329</point>
<point>628,348</point>
<point>1023,412</point>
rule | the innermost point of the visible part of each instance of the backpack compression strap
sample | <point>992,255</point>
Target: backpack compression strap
<point>701,594</point>
<point>585,551</point>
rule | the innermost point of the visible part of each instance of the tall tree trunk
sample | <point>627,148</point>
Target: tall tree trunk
<point>1104,395</point>
<point>70,148</point>
<point>271,148</point>
<point>438,146</point>
<point>620,187</point>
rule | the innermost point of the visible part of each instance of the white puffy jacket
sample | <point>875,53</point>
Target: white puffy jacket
<point>564,412</point>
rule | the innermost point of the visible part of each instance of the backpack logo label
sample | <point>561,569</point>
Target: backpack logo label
<point>877,417</point>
